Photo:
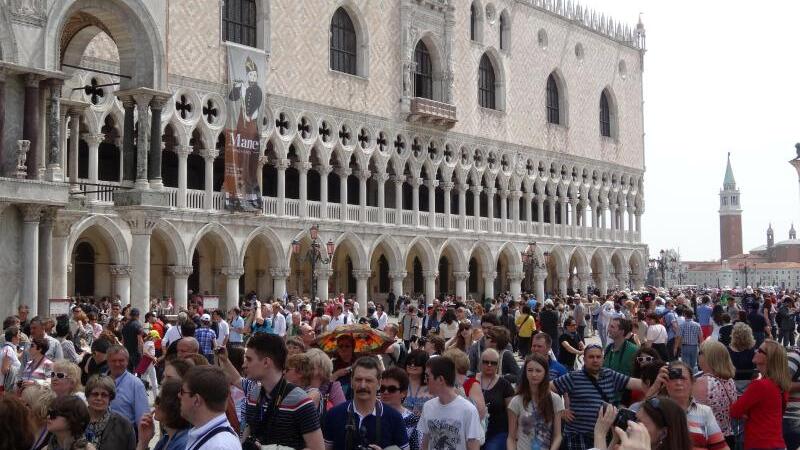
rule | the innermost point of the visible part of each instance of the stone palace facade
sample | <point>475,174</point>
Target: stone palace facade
<point>430,140</point>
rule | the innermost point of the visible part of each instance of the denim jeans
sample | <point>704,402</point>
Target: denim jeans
<point>791,432</point>
<point>689,356</point>
<point>496,442</point>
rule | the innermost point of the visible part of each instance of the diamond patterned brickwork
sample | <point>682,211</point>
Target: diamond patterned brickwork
<point>194,40</point>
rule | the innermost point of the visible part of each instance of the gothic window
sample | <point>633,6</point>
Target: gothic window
<point>423,76</point>
<point>343,43</point>
<point>473,23</point>
<point>486,83</point>
<point>553,109</point>
<point>239,21</point>
<point>605,115</point>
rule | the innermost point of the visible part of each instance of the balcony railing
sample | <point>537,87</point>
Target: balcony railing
<point>431,111</point>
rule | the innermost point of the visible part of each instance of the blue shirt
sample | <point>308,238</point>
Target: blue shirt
<point>690,332</point>
<point>393,429</point>
<point>238,322</point>
<point>178,441</point>
<point>265,327</point>
<point>585,400</point>
<point>669,319</point>
<point>130,400</point>
<point>556,369</point>
<point>704,314</point>
<point>206,337</point>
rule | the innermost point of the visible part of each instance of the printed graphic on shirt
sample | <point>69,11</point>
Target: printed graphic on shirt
<point>445,434</point>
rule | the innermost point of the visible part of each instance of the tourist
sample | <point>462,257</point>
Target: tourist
<point>67,419</point>
<point>526,325</point>
<point>381,316</point>
<point>658,336</point>
<point>765,399</point>
<point>133,338</point>
<point>570,343</point>
<point>548,319</point>
<point>497,393</point>
<point>725,329</point>
<point>688,339</point>
<point>418,392</point>
<point>106,429</point>
<point>17,427</point>
<point>715,386</point>
<point>39,366</point>
<point>167,411</point>
<point>203,399</point>
<point>9,359</point>
<point>663,419</point>
<point>64,338</point>
<point>222,328</point>
<point>65,379</point>
<point>498,338</point>
<point>340,430</point>
<point>295,345</point>
<point>463,337</point>
<point>704,312</point>
<point>206,338</point>
<point>176,368</point>
<point>94,362</point>
<point>534,414</point>
<point>52,350</point>
<point>786,320</point>
<point>149,360</point>
<point>760,326</point>
<point>295,422</point>
<point>237,328</point>
<point>449,325</point>
<point>411,324</point>
<point>468,388</point>
<point>130,400</point>
<point>541,345</point>
<point>671,324</point>
<point>742,350</point>
<point>278,320</point>
<point>791,416</point>
<point>187,346</point>
<point>448,417</point>
<point>343,362</point>
<point>394,386</point>
<point>299,371</point>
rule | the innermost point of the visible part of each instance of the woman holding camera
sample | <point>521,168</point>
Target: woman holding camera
<point>664,420</point>
<point>764,400</point>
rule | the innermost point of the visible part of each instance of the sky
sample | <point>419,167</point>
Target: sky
<point>719,77</point>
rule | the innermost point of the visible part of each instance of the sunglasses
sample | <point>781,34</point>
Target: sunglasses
<point>100,394</point>
<point>389,389</point>
<point>489,363</point>
<point>644,359</point>
<point>59,375</point>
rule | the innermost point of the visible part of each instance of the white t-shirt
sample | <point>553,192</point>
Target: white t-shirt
<point>279,324</point>
<point>657,334</point>
<point>448,331</point>
<point>528,422</point>
<point>172,334</point>
<point>450,426</point>
<point>9,351</point>
<point>224,331</point>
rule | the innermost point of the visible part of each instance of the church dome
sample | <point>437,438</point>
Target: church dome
<point>788,242</point>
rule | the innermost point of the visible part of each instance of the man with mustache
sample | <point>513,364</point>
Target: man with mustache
<point>365,422</point>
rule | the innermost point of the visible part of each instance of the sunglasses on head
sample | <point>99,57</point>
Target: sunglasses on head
<point>389,389</point>
<point>644,359</point>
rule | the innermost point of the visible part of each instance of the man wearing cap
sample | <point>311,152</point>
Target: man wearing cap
<point>133,338</point>
<point>205,337</point>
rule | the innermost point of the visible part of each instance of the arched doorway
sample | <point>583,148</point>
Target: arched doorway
<point>84,269</point>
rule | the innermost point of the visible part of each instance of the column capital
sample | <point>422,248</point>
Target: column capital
<point>119,270</point>
<point>140,222</point>
<point>381,177</point>
<point>183,151</point>
<point>515,195</point>
<point>31,213</point>
<point>282,164</point>
<point>180,271</point>
<point>504,193</point>
<point>431,184</point>
<point>363,175</point>
<point>463,187</point>
<point>491,191</point>
<point>516,276</point>
<point>323,169</point>
<point>362,274</point>
<point>209,153</point>
<point>461,276</point>
<point>343,171</point>
<point>48,216</point>
<point>262,160</point>
<point>93,138</point>
<point>401,274</point>
<point>490,275</point>
<point>33,80</point>
<point>158,101</point>
<point>540,273</point>
<point>476,189</point>
<point>324,273</point>
<point>447,185</point>
<point>279,272</point>
<point>302,166</point>
<point>428,274</point>
<point>416,182</point>
<point>563,278</point>
<point>232,272</point>
<point>399,179</point>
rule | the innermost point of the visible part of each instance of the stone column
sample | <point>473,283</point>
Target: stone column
<point>515,196</point>
<point>180,278</point>
<point>397,278</point>
<point>562,284</point>
<point>602,283</point>
<point>461,284</point>
<point>504,210</point>
<point>31,123</point>
<point>343,174</point>
<point>262,161</point>
<point>323,275</point>
<point>552,206</point>
<point>363,176</point>
<point>539,277</point>
<point>209,154</point>
<point>54,156</point>
<point>2,104</point>
<point>61,231</point>
<point>490,207</point>
<point>128,152</point>
<point>74,145</point>
<point>447,188</point>
<point>155,144</point>
<point>585,279</point>
<point>515,279</point>
<point>528,198</point>
<point>362,276</point>
<point>232,275</point>
<point>183,152</point>
<point>46,226</point>
<point>540,210</point>
<point>432,184</point>
<point>381,179</point>
<point>93,141</point>
<point>279,276</point>
<point>31,215</point>
<point>323,189</point>
<point>415,184</point>
<point>142,149</point>
<point>281,165</point>
<point>488,284</point>
<point>121,278</point>
<point>430,286</point>
<point>141,225</point>
<point>476,205</point>
<point>398,199</point>
<point>302,169</point>
<point>630,223</point>
<point>462,207</point>
<point>622,280</point>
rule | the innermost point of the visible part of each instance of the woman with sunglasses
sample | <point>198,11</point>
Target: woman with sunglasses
<point>715,387</point>
<point>167,412</point>
<point>67,420</point>
<point>463,338</point>
<point>417,392</point>
<point>534,414</point>
<point>394,388</point>
<point>107,429</point>
<point>497,393</point>
<point>764,400</point>
<point>39,367</point>
<point>664,420</point>
<point>65,379</point>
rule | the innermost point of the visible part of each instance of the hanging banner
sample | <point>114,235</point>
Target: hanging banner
<point>247,70</point>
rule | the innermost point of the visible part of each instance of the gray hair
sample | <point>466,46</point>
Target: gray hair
<point>118,349</point>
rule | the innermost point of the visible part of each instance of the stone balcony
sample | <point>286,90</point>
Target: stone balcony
<point>431,111</point>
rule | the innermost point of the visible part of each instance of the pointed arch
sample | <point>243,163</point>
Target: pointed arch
<point>608,114</point>
<point>275,249</point>
<point>349,40</point>
<point>481,251</point>
<point>451,247</point>
<point>172,238</point>
<point>580,260</point>
<point>425,250</point>
<point>556,99</point>
<point>491,81</point>
<point>350,239</point>
<point>223,236</point>
<point>513,256</point>
<point>112,234</point>
<point>391,246</point>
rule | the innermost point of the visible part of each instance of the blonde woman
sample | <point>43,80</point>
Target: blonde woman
<point>715,387</point>
<point>65,379</point>
<point>764,400</point>
<point>38,398</point>
<point>742,349</point>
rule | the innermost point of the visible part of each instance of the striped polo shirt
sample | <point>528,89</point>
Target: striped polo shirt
<point>294,416</point>
<point>793,406</point>
<point>584,399</point>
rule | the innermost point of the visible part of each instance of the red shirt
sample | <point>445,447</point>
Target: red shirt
<point>762,402</point>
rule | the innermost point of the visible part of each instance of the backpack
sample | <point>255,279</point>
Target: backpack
<point>401,358</point>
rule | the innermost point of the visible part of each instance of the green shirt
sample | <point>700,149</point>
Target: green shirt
<point>620,361</point>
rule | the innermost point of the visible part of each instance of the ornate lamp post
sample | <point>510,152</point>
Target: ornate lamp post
<point>661,264</point>
<point>314,255</point>
<point>532,262</point>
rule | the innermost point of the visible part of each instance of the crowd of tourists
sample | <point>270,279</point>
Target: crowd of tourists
<point>673,370</point>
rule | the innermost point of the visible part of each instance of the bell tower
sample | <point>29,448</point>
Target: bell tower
<point>730,216</point>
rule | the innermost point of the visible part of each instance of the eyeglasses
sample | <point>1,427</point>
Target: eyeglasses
<point>53,414</point>
<point>644,359</point>
<point>186,392</point>
<point>59,375</point>
<point>489,362</point>
<point>389,389</point>
<point>100,394</point>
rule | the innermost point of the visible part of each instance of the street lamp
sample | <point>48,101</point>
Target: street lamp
<point>530,259</point>
<point>314,255</point>
<point>660,264</point>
